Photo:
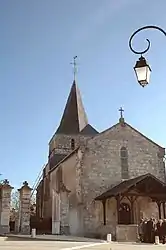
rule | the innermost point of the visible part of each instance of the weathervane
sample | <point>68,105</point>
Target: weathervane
<point>74,66</point>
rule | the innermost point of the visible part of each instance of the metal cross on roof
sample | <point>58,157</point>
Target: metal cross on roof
<point>121,110</point>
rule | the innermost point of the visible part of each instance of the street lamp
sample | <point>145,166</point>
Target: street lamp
<point>142,68</point>
<point>142,71</point>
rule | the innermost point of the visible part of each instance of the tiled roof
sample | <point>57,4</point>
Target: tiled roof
<point>89,130</point>
<point>125,185</point>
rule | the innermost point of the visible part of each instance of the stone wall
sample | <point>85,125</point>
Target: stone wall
<point>62,143</point>
<point>147,208</point>
<point>59,144</point>
<point>63,181</point>
<point>127,233</point>
<point>102,166</point>
<point>66,180</point>
<point>111,219</point>
<point>64,213</point>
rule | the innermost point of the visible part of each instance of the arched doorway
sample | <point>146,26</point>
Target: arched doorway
<point>124,214</point>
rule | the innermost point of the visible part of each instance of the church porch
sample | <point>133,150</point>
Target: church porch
<point>140,197</point>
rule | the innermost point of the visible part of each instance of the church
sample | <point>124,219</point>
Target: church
<point>97,183</point>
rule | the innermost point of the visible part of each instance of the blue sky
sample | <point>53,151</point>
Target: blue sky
<point>38,41</point>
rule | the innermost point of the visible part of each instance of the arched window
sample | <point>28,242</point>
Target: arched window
<point>124,163</point>
<point>72,144</point>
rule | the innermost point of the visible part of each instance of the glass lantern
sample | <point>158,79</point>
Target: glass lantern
<point>142,70</point>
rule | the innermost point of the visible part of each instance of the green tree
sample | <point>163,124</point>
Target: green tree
<point>15,200</point>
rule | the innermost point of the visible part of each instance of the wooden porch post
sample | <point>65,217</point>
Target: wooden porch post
<point>159,208</point>
<point>118,206</point>
<point>132,199</point>
<point>104,211</point>
<point>132,209</point>
<point>163,209</point>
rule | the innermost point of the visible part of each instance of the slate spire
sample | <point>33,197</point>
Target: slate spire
<point>74,118</point>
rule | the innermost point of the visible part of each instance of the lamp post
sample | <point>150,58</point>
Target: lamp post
<point>142,68</point>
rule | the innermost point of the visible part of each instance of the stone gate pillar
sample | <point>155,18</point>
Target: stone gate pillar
<point>24,208</point>
<point>5,190</point>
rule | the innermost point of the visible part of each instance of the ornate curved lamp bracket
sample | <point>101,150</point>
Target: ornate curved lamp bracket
<point>148,46</point>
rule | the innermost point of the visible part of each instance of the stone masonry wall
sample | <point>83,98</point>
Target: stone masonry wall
<point>102,166</point>
<point>64,213</point>
<point>61,144</point>
<point>111,218</point>
<point>63,181</point>
<point>147,208</point>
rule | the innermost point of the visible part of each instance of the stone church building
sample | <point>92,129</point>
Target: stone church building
<point>100,182</point>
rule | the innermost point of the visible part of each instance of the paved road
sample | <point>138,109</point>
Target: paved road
<point>51,245</point>
<point>64,245</point>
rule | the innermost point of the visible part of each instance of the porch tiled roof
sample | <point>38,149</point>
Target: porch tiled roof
<point>126,185</point>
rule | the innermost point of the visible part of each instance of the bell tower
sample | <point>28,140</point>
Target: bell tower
<point>73,121</point>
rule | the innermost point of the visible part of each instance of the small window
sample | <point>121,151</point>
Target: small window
<point>124,163</point>
<point>72,144</point>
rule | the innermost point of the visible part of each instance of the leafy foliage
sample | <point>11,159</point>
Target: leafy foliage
<point>15,200</point>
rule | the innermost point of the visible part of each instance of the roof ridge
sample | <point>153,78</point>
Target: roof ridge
<point>137,131</point>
